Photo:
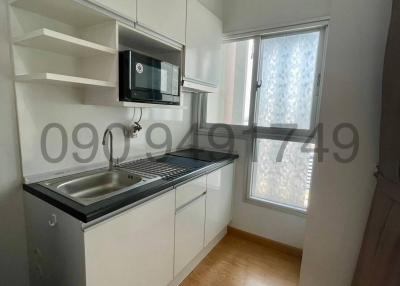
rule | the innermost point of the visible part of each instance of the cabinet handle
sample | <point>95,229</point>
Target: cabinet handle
<point>53,220</point>
<point>181,208</point>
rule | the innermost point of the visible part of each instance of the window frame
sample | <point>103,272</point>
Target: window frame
<point>251,132</point>
<point>239,131</point>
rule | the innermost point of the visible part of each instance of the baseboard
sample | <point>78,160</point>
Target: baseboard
<point>267,242</point>
<point>196,261</point>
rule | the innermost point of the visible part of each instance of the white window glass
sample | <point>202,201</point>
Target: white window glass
<point>232,104</point>
<point>288,74</point>
<point>286,182</point>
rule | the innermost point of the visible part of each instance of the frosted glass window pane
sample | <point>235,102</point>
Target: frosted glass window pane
<point>232,104</point>
<point>286,182</point>
<point>288,79</point>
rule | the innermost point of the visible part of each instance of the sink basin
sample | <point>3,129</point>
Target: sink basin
<point>90,187</point>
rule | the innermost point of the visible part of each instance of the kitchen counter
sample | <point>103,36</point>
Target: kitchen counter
<point>204,161</point>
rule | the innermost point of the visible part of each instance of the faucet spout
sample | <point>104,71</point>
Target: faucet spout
<point>111,159</point>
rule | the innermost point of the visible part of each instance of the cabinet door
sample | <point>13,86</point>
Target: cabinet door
<point>167,18</point>
<point>191,190</point>
<point>189,232</point>
<point>135,248</point>
<point>203,44</point>
<point>125,8</point>
<point>219,201</point>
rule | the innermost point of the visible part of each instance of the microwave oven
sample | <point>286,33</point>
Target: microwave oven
<point>147,80</point>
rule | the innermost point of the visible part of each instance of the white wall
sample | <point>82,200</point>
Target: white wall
<point>265,222</point>
<point>242,15</point>
<point>13,259</point>
<point>39,105</point>
<point>341,193</point>
<point>239,16</point>
<point>215,6</point>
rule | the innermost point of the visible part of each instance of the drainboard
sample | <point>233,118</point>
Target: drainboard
<point>166,167</point>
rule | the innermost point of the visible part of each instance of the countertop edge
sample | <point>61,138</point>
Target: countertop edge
<point>81,213</point>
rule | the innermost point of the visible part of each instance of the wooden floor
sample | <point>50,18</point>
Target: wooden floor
<point>237,261</point>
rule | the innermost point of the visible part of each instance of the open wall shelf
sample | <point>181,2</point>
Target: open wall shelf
<point>63,42</point>
<point>66,80</point>
<point>73,43</point>
<point>56,42</point>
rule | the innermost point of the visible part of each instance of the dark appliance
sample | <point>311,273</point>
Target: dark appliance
<point>147,80</point>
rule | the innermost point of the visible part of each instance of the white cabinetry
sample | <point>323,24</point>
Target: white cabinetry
<point>219,201</point>
<point>190,190</point>
<point>189,221</point>
<point>189,232</point>
<point>125,8</point>
<point>203,211</point>
<point>55,245</point>
<point>157,243</point>
<point>167,18</point>
<point>135,248</point>
<point>203,45</point>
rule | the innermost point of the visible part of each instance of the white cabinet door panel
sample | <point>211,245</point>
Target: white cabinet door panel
<point>167,18</point>
<point>203,44</point>
<point>134,248</point>
<point>190,191</point>
<point>219,201</point>
<point>189,233</point>
<point>125,8</point>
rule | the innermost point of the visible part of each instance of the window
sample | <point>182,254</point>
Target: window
<point>270,92</point>
<point>288,73</point>
<point>285,183</point>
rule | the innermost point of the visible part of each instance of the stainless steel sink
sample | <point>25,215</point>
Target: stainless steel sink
<point>90,187</point>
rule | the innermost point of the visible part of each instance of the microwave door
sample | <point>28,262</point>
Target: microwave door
<point>157,80</point>
<point>175,81</point>
<point>162,80</point>
<point>143,77</point>
<point>143,81</point>
<point>166,78</point>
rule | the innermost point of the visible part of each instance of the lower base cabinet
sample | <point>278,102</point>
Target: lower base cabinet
<point>219,201</point>
<point>189,232</point>
<point>135,248</point>
<point>148,245</point>
<point>200,221</point>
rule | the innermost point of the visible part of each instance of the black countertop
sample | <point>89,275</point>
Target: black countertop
<point>207,162</point>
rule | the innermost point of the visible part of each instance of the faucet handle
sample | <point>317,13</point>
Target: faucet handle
<point>116,162</point>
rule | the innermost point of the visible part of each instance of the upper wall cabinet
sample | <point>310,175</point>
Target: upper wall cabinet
<point>203,45</point>
<point>125,8</point>
<point>167,18</point>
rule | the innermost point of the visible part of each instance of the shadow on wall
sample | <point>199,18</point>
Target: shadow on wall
<point>13,257</point>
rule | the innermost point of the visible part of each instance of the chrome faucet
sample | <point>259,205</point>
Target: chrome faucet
<point>111,159</point>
